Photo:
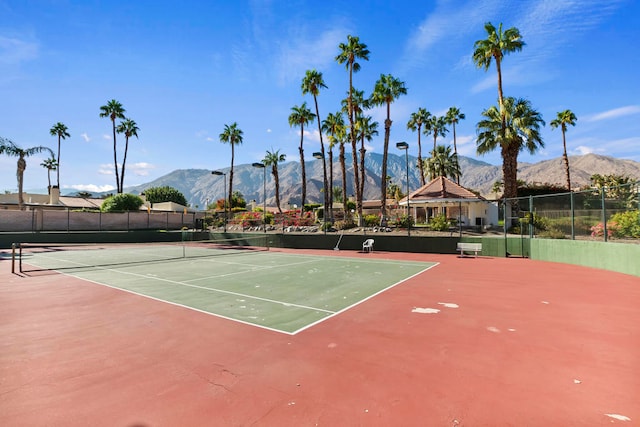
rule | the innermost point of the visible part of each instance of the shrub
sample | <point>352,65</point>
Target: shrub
<point>404,221</point>
<point>627,224</point>
<point>164,194</point>
<point>439,223</point>
<point>552,233</point>
<point>371,220</point>
<point>345,225</point>
<point>121,203</point>
<point>598,229</point>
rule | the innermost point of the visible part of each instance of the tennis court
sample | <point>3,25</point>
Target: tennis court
<point>472,342</point>
<point>238,279</point>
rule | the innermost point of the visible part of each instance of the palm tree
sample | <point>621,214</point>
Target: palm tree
<point>61,131</point>
<point>367,129</point>
<point>50,165</point>
<point>11,149</point>
<point>563,119</point>
<point>301,116</point>
<point>453,117</point>
<point>494,47</point>
<point>386,90</point>
<point>312,83</point>
<point>114,111</point>
<point>350,52</point>
<point>272,159</point>
<point>436,126</point>
<point>231,135</point>
<point>129,128</point>
<point>416,120</point>
<point>335,128</point>
<point>521,131</point>
<point>443,163</point>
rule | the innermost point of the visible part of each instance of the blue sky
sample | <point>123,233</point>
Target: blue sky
<point>182,70</point>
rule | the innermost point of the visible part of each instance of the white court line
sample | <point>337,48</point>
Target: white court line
<point>254,268</point>
<point>287,304</point>
<point>326,258</point>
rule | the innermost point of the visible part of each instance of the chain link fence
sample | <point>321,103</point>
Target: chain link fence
<point>599,214</point>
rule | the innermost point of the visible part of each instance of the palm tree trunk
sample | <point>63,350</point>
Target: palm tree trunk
<point>231,176</point>
<point>331,182</point>
<point>304,172</point>
<point>354,152</point>
<point>22,165</point>
<point>343,168</point>
<point>420,165</point>
<point>276,180</point>
<point>455,150</point>
<point>510,175</point>
<point>115,156</point>
<point>565,158</point>
<point>324,161</point>
<point>58,168</point>
<point>385,155</point>
<point>362,179</point>
<point>124,160</point>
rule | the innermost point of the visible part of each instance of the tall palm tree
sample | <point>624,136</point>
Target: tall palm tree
<point>312,83</point>
<point>563,119</point>
<point>11,149</point>
<point>129,128</point>
<point>494,47</point>
<point>416,120</point>
<point>436,126</point>
<point>301,116</point>
<point>50,165</point>
<point>350,52</point>
<point>114,110</point>
<point>231,135</point>
<point>521,131</point>
<point>61,131</point>
<point>453,117</point>
<point>443,163</point>
<point>335,128</point>
<point>367,129</point>
<point>387,89</point>
<point>272,159</point>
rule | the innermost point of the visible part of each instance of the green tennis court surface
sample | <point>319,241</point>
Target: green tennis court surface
<point>275,290</point>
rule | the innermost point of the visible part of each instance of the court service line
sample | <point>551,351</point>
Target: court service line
<point>254,268</point>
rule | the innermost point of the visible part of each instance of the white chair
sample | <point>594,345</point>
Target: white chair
<point>367,246</point>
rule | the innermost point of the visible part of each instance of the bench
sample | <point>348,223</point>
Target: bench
<point>469,247</point>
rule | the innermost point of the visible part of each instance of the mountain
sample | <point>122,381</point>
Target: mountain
<point>199,185</point>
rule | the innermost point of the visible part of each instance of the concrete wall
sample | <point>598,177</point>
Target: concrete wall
<point>67,220</point>
<point>621,257</point>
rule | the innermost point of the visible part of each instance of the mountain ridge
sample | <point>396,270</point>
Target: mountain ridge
<point>200,186</point>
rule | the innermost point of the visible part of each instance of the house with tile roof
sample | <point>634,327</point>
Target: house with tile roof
<point>443,196</point>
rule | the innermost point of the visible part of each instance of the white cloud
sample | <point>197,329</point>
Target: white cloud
<point>15,51</point>
<point>614,113</point>
<point>140,169</point>
<point>107,137</point>
<point>307,51</point>
<point>106,169</point>
<point>582,150</point>
<point>93,188</point>
<point>85,137</point>
<point>268,130</point>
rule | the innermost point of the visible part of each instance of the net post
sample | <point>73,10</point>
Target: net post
<point>13,258</point>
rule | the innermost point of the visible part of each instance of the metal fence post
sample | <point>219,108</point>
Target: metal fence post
<point>573,217</point>
<point>604,214</point>
<point>531,221</point>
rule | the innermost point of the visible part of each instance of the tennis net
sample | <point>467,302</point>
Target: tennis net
<point>76,256</point>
